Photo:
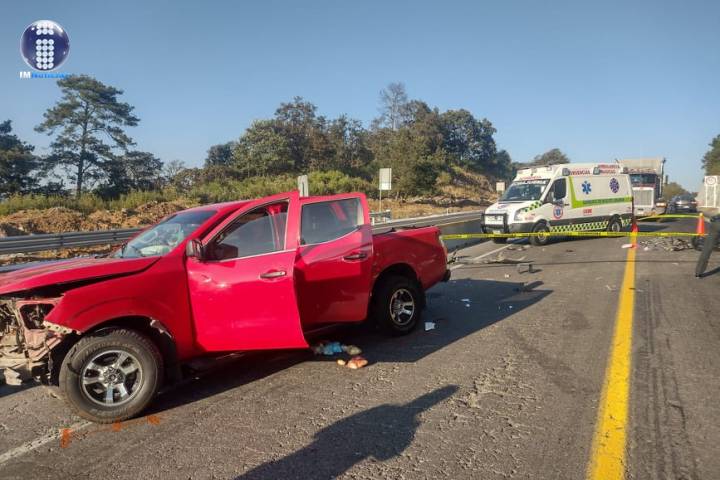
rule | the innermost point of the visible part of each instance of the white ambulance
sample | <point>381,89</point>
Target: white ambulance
<point>566,197</point>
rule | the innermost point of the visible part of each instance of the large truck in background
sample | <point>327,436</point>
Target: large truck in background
<point>647,176</point>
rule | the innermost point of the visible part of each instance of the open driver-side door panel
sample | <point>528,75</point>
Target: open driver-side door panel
<point>242,292</point>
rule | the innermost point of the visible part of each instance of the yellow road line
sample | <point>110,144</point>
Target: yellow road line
<point>607,460</point>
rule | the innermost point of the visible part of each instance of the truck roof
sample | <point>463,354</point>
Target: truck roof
<point>643,164</point>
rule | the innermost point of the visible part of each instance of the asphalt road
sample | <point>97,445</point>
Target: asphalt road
<point>507,385</point>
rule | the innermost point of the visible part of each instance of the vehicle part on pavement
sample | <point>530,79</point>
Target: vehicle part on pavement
<point>111,375</point>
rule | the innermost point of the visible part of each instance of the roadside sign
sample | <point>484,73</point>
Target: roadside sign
<point>500,187</point>
<point>303,186</point>
<point>385,179</point>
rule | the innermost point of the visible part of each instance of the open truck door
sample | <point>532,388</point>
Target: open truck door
<point>241,279</point>
<point>333,271</point>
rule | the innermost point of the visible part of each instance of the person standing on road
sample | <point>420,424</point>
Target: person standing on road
<point>711,241</point>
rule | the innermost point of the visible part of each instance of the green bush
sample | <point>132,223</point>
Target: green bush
<point>321,183</point>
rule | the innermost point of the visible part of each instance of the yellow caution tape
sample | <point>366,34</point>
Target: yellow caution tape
<point>467,236</point>
<point>671,215</point>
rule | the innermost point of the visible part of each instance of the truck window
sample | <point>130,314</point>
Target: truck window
<point>326,221</point>
<point>256,232</point>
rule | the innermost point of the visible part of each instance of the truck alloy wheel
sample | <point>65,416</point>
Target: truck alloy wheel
<point>396,305</point>
<point>402,307</point>
<point>111,375</point>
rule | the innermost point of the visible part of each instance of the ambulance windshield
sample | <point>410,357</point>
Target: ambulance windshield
<point>524,190</point>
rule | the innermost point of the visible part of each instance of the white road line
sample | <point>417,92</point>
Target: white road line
<point>39,442</point>
<point>481,256</point>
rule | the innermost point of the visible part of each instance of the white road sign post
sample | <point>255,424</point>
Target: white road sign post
<point>385,182</point>
<point>500,187</point>
<point>303,186</point>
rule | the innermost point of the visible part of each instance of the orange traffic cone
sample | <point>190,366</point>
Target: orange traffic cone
<point>633,232</point>
<point>701,225</point>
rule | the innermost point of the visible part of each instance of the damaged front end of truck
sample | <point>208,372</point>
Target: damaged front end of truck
<point>27,339</point>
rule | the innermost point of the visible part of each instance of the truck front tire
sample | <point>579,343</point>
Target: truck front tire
<point>111,375</point>
<point>396,306</point>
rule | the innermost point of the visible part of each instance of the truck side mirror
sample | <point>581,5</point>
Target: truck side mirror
<point>194,249</point>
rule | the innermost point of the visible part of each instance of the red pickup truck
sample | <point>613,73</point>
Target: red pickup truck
<point>238,276</point>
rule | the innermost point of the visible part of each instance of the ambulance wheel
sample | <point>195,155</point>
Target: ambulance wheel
<point>615,225</point>
<point>499,240</point>
<point>540,240</point>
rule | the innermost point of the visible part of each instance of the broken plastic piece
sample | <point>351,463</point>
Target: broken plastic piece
<point>341,362</point>
<point>429,326</point>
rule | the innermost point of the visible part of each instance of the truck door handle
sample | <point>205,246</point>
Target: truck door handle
<point>273,274</point>
<point>355,256</point>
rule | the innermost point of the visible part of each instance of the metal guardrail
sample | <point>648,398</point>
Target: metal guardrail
<point>44,242</point>
<point>50,241</point>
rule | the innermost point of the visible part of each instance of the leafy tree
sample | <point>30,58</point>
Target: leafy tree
<point>17,162</point>
<point>220,154</point>
<point>89,121</point>
<point>172,168</point>
<point>551,157</point>
<point>469,141</point>
<point>262,151</point>
<point>711,160</point>
<point>393,106</point>
<point>348,144</point>
<point>133,171</point>
<point>304,133</point>
<point>502,166</point>
<point>672,189</point>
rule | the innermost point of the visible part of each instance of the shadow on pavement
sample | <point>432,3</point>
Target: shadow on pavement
<point>487,302</point>
<point>382,432</point>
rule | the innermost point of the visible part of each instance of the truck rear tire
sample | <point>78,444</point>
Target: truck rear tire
<point>397,305</point>
<point>111,375</point>
<point>537,240</point>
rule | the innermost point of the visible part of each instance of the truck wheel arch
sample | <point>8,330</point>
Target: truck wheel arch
<point>152,328</point>
<point>398,269</point>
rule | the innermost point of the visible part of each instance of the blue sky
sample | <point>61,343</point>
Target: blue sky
<point>600,80</point>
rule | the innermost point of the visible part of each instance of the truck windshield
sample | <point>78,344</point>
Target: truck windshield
<point>643,179</point>
<point>524,190</point>
<point>164,236</point>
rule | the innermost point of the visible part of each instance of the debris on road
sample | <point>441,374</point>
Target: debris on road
<point>429,326</point>
<point>667,244</point>
<point>507,275</point>
<point>627,245</point>
<point>501,259</point>
<point>327,349</point>
<point>351,350</point>
<point>525,268</point>
<point>341,362</point>
<point>356,362</point>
